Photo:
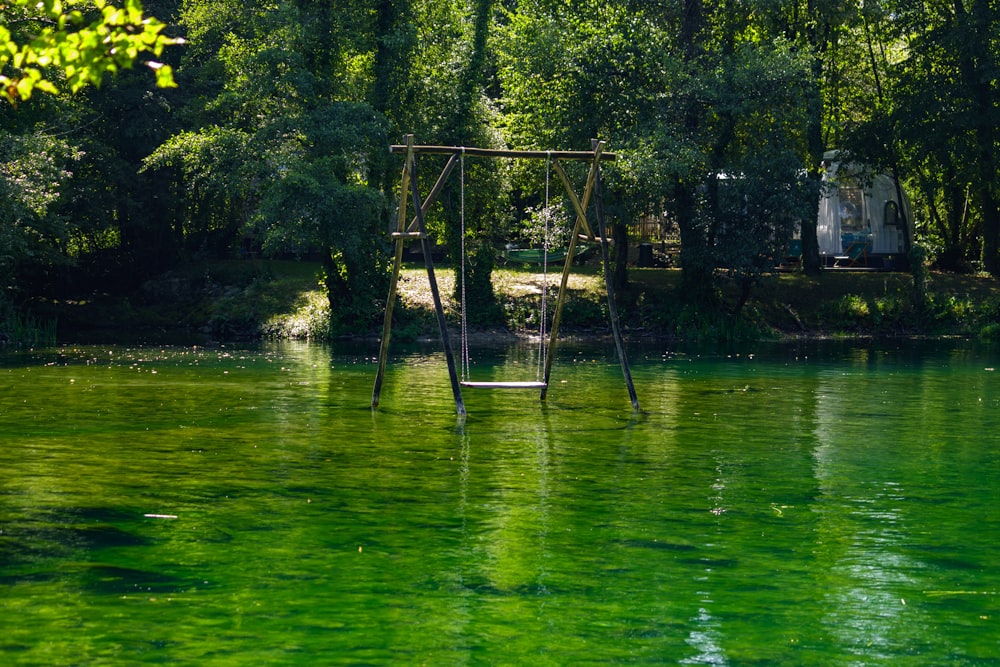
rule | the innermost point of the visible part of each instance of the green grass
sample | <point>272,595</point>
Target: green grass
<point>242,299</point>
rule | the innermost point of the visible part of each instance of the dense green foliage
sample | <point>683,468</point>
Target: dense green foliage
<point>72,44</point>
<point>275,140</point>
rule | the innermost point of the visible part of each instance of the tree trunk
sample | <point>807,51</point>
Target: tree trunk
<point>976,64</point>
<point>479,261</point>
<point>991,231</point>
<point>337,292</point>
<point>619,231</point>
<point>814,137</point>
<point>696,271</point>
<point>393,51</point>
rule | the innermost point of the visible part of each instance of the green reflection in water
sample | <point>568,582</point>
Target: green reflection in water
<point>795,505</point>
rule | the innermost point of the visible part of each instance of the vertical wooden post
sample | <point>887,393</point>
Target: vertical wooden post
<point>425,245</point>
<point>579,226</point>
<point>390,301</point>
<point>561,297</point>
<point>609,283</point>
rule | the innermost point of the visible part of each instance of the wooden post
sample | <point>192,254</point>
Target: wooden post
<point>580,207</point>
<point>557,315</point>
<point>390,301</point>
<point>609,283</point>
<point>425,245</point>
<point>579,225</point>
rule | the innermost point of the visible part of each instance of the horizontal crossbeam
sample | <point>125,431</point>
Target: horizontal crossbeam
<point>499,152</point>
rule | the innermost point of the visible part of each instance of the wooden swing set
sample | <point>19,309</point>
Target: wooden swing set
<point>415,229</point>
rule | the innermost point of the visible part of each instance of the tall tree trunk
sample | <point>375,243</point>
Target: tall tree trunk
<point>814,137</point>
<point>393,49</point>
<point>991,229</point>
<point>696,270</point>
<point>975,65</point>
<point>338,294</point>
<point>474,79</point>
<point>467,131</point>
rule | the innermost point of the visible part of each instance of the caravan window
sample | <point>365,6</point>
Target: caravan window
<point>891,214</point>
<point>851,207</point>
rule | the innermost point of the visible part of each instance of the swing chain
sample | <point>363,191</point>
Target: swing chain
<point>464,317</point>
<point>542,349</point>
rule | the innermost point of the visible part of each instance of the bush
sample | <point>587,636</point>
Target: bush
<point>20,330</point>
<point>990,332</point>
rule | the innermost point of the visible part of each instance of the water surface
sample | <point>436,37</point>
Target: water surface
<point>785,505</point>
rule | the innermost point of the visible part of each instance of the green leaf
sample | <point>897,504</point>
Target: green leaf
<point>164,75</point>
<point>24,88</point>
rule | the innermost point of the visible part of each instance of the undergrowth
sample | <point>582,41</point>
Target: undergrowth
<point>21,330</point>
<point>244,300</point>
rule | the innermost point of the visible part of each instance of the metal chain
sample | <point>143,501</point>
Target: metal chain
<point>542,349</point>
<point>464,318</point>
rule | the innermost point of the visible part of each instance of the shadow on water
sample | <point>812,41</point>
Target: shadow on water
<point>115,580</point>
<point>78,547</point>
<point>55,534</point>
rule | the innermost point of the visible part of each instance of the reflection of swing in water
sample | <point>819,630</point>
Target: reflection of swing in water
<point>416,229</point>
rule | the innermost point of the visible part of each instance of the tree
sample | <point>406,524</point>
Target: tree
<point>319,197</point>
<point>944,113</point>
<point>568,76</point>
<point>297,166</point>
<point>32,167</point>
<point>55,44</point>
<point>737,112</point>
<point>65,181</point>
<point>683,92</point>
<point>470,124</point>
<point>757,191</point>
<point>832,94</point>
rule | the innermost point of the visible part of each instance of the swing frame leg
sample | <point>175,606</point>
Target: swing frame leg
<point>609,285</point>
<point>409,182</point>
<point>425,246</point>
<point>593,188</point>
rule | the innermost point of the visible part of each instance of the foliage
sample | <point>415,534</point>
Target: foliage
<point>275,143</point>
<point>34,169</point>
<point>20,330</point>
<point>70,44</point>
<point>755,212</point>
<point>216,168</point>
<point>546,226</point>
<point>935,118</point>
<point>293,168</point>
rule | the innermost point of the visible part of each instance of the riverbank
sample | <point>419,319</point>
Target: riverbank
<point>245,299</point>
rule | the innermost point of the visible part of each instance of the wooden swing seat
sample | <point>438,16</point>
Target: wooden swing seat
<point>503,385</point>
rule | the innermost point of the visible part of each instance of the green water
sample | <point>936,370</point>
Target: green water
<point>786,506</point>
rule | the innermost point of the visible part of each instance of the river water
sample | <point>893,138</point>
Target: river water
<point>817,504</point>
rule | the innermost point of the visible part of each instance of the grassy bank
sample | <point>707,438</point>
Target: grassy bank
<point>231,300</point>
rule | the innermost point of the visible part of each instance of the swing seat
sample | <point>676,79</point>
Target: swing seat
<point>504,385</point>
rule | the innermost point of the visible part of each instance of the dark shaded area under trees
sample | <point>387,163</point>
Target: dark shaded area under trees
<point>275,142</point>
